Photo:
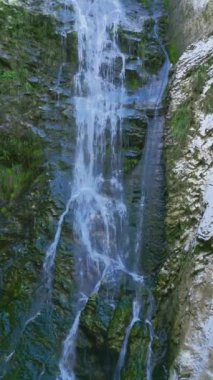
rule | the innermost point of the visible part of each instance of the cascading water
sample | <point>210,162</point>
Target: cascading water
<point>97,194</point>
<point>97,207</point>
<point>96,199</point>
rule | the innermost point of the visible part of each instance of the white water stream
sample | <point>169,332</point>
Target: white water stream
<point>96,198</point>
<point>135,317</point>
<point>97,193</point>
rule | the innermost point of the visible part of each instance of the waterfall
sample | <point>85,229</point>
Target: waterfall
<point>96,197</point>
<point>97,193</point>
<point>96,241</point>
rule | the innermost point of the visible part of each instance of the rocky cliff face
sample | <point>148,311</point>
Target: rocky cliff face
<point>189,21</point>
<point>185,281</point>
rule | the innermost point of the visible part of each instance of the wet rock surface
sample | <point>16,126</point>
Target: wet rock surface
<point>31,54</point>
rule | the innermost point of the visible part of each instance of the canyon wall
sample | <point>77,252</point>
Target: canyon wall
<point>185,281</point>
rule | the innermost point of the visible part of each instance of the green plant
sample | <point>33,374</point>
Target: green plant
<point>13,81</point>
<point>173,52</point>
<point>179,125</point>
<point>21,158</point>
<point>11,75</point>
<point>130,164</point>
<point>13,181</point>
<point>20,146</point>
<point>199,80</point>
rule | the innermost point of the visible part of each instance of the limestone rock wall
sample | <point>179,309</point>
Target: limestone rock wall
<point>185,285</point>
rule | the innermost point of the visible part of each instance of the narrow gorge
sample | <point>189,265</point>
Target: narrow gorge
<point>106,200</point>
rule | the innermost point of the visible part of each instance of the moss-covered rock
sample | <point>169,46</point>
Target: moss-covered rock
<point>145,45</point>
<point>152,56</point>
<point>133,80</point>
<point>21,159</point>
<point>118,325</point>
<point>31,54</point>
<point>133,142</point>
<point>151,50</point>
<point>95,320</point>
<point>135,365</point>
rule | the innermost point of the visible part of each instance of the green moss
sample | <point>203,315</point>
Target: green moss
<point>18,28</point>
<point>11,75</point>
<point>118,324</point>
<point>152,56</point>
<point>12,181</point>
<point>95,319</point>
<point>137,352</point>
<point>128,41</point>
<point>166,4</point>
<point>129,164</point>
<point>150,50</point>
<point>145,45</point>
<point>163,24</point>
<point>132,82</point>
<point>199,80</point>
<point>21,146</point>
<point>179,125</point>
<point>12,81</point>
<point>174,53</point>
<point>149,25</point>
<point>21,157</point>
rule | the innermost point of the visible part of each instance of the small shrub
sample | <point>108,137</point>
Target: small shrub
<point>180,123</point>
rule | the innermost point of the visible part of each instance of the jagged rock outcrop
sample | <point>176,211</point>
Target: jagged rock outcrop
<point>185,282</point>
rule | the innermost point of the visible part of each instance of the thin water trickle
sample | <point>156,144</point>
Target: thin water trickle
<point>51,252</point>
<point>67,362</point>
<point>148,321</point>
<point>136,308</point>
<point>149,353</point>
